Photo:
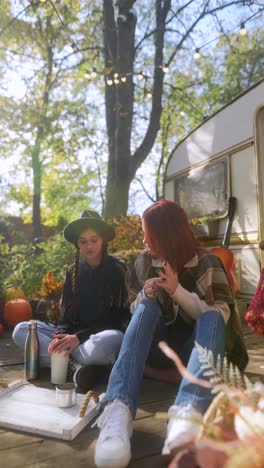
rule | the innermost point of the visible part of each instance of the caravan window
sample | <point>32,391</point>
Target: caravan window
<point>203,191</point>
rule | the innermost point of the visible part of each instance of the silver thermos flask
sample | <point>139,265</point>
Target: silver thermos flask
<point>31,356</point>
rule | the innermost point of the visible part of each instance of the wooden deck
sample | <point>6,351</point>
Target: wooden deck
<point>18,449</point>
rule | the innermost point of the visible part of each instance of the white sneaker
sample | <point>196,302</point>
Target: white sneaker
<point>112,448</point>
<point>183,427</point>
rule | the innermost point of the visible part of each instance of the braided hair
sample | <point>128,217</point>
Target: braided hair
<point>76,269</point>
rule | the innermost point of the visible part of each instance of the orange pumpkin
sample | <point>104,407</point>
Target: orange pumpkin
<point>16,311</point>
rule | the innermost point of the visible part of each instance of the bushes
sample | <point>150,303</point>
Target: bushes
<point>129,256</point>
<point>25,265</point>
<point>129,235</point>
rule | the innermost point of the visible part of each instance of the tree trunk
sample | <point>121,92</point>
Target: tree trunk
<point>119,38</point>
<point>36,162</point>
<point>117,197</point>
<point>119,44</point>
<point>36,166</point>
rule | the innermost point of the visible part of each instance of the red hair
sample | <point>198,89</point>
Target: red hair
<point>167,228</point>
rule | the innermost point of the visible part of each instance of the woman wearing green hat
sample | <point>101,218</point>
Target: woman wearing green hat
<point>94,306</point>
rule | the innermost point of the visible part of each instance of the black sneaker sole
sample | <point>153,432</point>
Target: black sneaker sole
<point>85,377</point>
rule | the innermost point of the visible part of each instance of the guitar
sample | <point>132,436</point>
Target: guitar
<point>225,255</point>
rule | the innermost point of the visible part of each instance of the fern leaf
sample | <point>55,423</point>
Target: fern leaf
<point>221,372</point>
<point>248,384</point>
<point>209,373</point>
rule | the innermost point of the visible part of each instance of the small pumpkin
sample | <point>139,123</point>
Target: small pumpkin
<point>16,311</point>
<point>14,293</point>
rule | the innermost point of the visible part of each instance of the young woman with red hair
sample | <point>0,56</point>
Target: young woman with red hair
<point>181,295</point>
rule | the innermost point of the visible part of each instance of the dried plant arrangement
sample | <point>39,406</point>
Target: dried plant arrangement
<point>232,433</point>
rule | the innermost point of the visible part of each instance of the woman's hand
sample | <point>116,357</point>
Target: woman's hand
<point>63,344</point>
<point>151,288</point>
<point>168,280</point>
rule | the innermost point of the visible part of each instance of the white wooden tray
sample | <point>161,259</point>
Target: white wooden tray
<point>25,407</point>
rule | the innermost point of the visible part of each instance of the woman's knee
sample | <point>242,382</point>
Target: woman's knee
<point>144,322</point>
<point>210,330</point>
<point>149,309</point>
<point>101,348</point>
<point>19,333</point>
<point>108,338</point>
<point>209,317</point>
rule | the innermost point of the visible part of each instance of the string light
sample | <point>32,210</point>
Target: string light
<point>165,67</point>
<point>243,29</point>
<point>94,73</point>
<point>197,54</point>
<point>182,113</point>
<point>73,46</point>
<point>16,56</point>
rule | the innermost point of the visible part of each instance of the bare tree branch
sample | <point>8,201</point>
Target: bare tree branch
<point>154,123</point>
<point>15,18</point>
<point>145,190</point>
<point>147,35</point>
<point>203,14</point>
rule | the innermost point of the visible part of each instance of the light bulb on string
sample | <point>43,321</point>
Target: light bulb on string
<point>197,54</point>
<point>93,73</point>
<point>73,46</point>
<point>16,57</point>
<point>243,29</point>
<point>165,67</point>
<point>87,75</point>
<point>182,113</point>
<point>55,66</point>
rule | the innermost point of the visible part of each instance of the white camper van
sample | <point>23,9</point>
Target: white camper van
<point>219,161</point>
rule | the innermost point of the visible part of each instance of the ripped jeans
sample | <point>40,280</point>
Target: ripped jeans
<point>140,346</point>
<point>101,349</point>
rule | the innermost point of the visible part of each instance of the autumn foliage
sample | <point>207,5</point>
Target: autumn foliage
<point>129,235</point>
<point>51,288</point>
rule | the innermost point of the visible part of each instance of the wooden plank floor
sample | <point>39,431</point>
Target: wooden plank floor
<point>19,450</point>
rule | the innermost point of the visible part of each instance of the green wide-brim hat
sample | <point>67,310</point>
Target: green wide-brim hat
<point>89,219</point>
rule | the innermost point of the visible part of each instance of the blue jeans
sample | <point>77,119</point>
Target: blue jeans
<point>140,342</point>
<point>100,349</point>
